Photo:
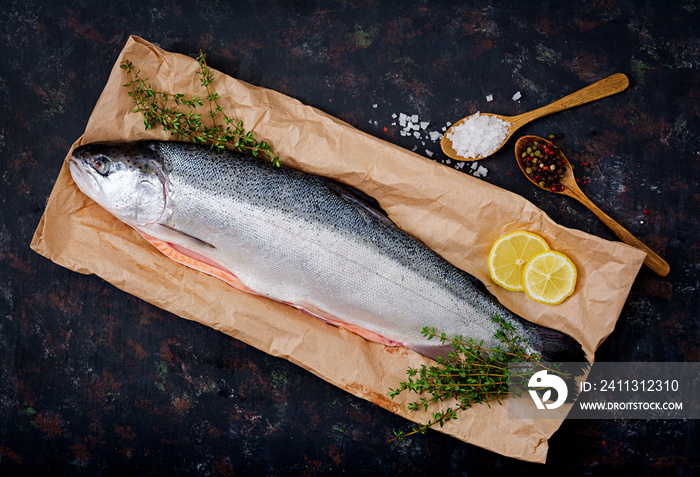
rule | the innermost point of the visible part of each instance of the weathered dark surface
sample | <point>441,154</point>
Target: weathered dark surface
<point>96,382</point>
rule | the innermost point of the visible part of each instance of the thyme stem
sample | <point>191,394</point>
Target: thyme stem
<point>471,374</point>
<point>177,114</point>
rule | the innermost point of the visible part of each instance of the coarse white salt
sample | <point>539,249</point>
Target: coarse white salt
<point>375,106</point>
<point>414,118</point>
<point>429,152</point>
<point>434,135</point>
<point>480,172</point>
<point>517,96</point>
<point>393,115</point>
<point>417,135</point>
<point>489,98</point>
<point>424,124</point>
<point>478,136</point>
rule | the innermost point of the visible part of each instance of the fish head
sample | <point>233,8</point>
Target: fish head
<point>128,180</point>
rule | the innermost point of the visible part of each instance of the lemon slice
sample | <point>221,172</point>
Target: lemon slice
<point>510,253</point>
<point>549,277</point>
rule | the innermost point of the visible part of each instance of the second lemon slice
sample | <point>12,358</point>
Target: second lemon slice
<point>510,253</point>
<point>549,277</point>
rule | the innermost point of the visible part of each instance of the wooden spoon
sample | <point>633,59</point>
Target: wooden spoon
<point>652,260</point>
<point>605,87</point>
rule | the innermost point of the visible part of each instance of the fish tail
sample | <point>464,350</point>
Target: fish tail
<point>563,351</point>
<point>555,346</point>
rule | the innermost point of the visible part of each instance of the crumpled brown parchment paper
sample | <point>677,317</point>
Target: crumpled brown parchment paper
<point>457,215</point>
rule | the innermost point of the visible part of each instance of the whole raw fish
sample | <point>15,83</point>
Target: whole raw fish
<point>298,239</point>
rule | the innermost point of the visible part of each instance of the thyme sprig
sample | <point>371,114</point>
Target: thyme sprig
<point>179,115</point>
<point>471,374</point>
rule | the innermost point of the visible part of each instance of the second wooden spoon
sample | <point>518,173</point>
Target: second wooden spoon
<point>652,260</point>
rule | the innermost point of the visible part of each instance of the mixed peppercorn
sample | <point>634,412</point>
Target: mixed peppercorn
<point>544,165</point>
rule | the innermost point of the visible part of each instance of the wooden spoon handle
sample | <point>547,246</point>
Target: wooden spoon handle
<point>606,87</point>
<point>652,260</point>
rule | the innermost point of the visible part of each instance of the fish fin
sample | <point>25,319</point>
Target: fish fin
<point>198,262</point>
<point>432,351</point>
<point>562,349</point>
<point>359,198</point>
<point>365,333</point>
<point>196,239</point>
<point>557,346</point>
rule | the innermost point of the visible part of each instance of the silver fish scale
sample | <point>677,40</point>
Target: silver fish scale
<point>286,235</point>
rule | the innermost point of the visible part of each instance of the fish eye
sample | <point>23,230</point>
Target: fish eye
<point>101,164</point>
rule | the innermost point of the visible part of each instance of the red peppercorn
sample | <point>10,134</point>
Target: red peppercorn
<point>646,211</point>
<point>385,129</point>
<point>546,168</point>
<point>554,188</point>
<point>585,181</point>
<point>561,187</point>
<point>585,164</point>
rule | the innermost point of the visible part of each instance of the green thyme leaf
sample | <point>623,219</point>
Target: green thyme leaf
<point>160,107</point>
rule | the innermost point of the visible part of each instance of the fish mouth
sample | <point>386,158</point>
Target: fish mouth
<point>85,181</point>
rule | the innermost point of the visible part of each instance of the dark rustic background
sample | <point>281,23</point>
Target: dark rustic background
<point>96,382</point>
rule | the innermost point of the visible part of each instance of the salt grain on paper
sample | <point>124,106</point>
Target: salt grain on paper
<point>478,136</point>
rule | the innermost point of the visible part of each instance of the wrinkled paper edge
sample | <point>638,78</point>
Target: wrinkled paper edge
<point>457,215</point>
